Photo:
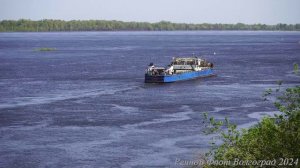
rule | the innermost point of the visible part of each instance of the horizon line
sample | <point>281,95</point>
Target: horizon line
<point>144,21</point>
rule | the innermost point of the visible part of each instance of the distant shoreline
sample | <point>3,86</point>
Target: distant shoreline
<point>48,25</point>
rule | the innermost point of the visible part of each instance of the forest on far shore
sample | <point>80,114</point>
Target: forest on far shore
<point>48,25</point>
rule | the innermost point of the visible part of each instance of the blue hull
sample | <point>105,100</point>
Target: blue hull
<point>177,77</point>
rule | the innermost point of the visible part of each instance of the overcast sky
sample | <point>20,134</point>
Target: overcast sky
<point>187,11</point>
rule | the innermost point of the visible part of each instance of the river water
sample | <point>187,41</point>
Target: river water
<point>86,104</point>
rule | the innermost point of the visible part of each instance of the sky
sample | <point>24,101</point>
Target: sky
<point>178,11</point>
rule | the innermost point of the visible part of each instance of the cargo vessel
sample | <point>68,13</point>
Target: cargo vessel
<point>183,68</point>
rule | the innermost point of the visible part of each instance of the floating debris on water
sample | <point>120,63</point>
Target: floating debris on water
<point>46,49</point>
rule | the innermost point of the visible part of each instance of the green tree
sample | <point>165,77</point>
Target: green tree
<point>272,138</point>
<point>113,25</point>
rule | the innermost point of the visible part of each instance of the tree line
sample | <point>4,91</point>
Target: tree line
<point>48,25</point>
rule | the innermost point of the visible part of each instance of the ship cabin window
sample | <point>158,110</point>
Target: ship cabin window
<point>190,62</point>
<point>184,62</point>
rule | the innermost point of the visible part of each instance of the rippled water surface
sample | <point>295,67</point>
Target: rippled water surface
<point>85,104</point>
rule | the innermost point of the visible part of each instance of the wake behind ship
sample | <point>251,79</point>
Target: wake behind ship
<point>183,68</point>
